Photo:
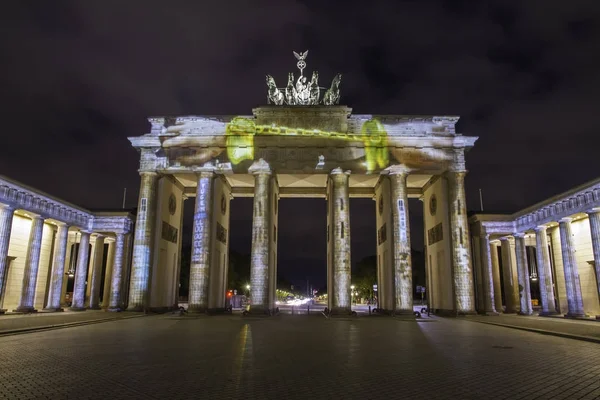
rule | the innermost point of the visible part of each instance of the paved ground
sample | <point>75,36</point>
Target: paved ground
<point>559,325</point>
<point>17,322</point>
<point>295,357</point>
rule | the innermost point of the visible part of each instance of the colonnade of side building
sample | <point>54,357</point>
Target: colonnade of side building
<point>38,242</point>
<point>553,246</point>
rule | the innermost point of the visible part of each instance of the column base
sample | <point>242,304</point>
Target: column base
<point>548,313</point>
<point>525,313</point>
<point>406,314</point>
<point>340,311</point>
<point>382,311</point>
<point>114,309</point>
<point>77,308</point>
<point>52,309</point>
<point>25,310</point>
<point>490,313</point>
<point>95,308</point>
<point>197,310</point>
<point>136,308</point>
<point>259,311</point>
<point>576,315</point>
<point>2,311</point>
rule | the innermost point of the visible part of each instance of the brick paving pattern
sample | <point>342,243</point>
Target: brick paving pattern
<point>561,325</point>
<point>295,357</point>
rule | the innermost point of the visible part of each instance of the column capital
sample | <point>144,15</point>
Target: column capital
<point>206,170</point>
<point>519,235</point>
<point>398,169</point>
<point>260,167</point>
<point>595,210</point>
<point>7,207</point>
<point>148,172</point>
<point>565,220</point>
<point>339,171</point>
<point>540,229</point>
<point>505,239</point>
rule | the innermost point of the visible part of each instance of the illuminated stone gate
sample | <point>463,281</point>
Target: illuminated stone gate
<point>302,146</point>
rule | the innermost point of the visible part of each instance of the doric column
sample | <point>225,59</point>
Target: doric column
<point>403,288</point>
<point>58,269</point>
<point>510,291</point>
<point>496,276</point>
<point>544,271</point>
<point>201,243</point>
<point>116,284</point>
<point>6,218</point>
<point>594,217</point>
<point>574,300</point>
<point>97,273</point>
<point>261,215</point>
<point>110,258</point>
<point>523,274</point>
<point>127,261</point>
<point>32,263</point>
<point>488,274</point>
<point>461,253</point>
<point>341,269</point>
<point>143,242</point>
<point>81,272</point>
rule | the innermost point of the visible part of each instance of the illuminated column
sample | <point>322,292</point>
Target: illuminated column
<point>97,273</point>
<point>116,283</point>
<point>523,273</point>
<point>32,262</point>
<point>544,271</point>
<point>127,252</point>
<point>340,299</point>
<point>81,272</point>
<point>496,276</point>
<point>461,253</point>
<point>143,242</point>
<point>594,217</point>
<point>488,274</point>
<point>110,257</point>
<point>6,218</point>
<point>58,269</point>
<point>261,224</point>
<point>510,291</point>
<point>201,243</point>
<point>574,300</point>
<point>403,289</point>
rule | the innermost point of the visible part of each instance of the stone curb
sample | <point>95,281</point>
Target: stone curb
<point>543,331</point>
<point>10,332</point>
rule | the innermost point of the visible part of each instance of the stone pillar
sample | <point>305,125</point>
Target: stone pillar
<point>510,290</point>
<point>201,243</point>
<point>58,269</point>
<point>523,274</point>
<point>110,257</point>
<point>6,218</point>
<point>127,261</point>
<point>32,263</point>
<point>143,243</point>
<point>81,273</point>
<point>574,299</point>
<point>496,276</point>
<point>116,283</point>
<point>461,253</point>
<point>97,273</point>
<point>488,275</point>
<point>594,217</point>
<point>403,288</point>
<point>261,224</point>
<point>340,300</point>
<point>544,271</point>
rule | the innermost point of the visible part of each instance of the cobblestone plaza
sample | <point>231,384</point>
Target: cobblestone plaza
<point>295,357</point>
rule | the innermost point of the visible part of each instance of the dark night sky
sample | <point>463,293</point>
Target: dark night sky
<point>77,78</point>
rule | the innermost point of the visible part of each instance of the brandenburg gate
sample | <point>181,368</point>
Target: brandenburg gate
<point>302,144</point>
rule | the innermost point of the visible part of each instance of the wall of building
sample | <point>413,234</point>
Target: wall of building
<point>163,281</point>
<point>19,240</point>
<point>439,253</point>
<point>219,245</point>
<point>384,239</point>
